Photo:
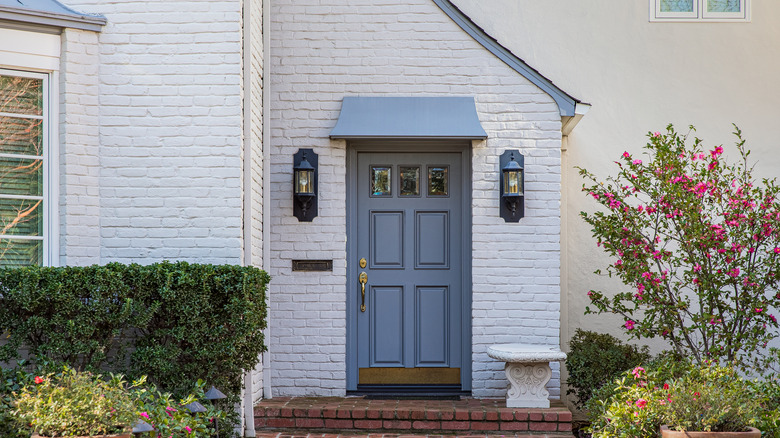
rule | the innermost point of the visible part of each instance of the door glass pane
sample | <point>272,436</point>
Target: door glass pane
<point>410,180</point>
<point>21,95</point>
<point>723,6</point>
<point>676,5</point>
<point>21,176</point>
<point>17,252</point>
<point>438,181</point>
<point>21,217</point>
<point>381,180</point>
<point>21,136</point>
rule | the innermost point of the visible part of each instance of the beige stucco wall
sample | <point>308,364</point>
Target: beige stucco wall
<point>639,76</point>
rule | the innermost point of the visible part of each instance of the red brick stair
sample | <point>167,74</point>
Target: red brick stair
<point>427,417</point>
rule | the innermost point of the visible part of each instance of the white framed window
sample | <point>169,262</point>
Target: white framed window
<point>27,213</point>
<point>700,10</point>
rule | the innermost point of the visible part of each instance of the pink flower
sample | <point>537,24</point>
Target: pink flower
<point>712,165</point>
<point>637,372</point>
<point>641,403</point>
<point>188,429</point>
<point>626,155</point>
<point>629,324</point>
<point>656,134</point>
<point>734,273</point>
<point>777,250</point>
<point>636,162</point>
<point>145,415</point>
<point>759,310</point>
<point>697,268</point>
<point>666,386</point>
<point>715,153</point>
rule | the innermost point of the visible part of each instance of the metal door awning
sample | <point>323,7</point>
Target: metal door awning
<point>408,118</point>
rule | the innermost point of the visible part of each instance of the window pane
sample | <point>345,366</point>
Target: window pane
<point>21,176</point>
<point>21,95</point>
<point>437,181</point>
<point>723,6</point>
<point>676,5</point>
<point>21,217</point>
<point>15,253</point>
<point>380,181</point>
<point>21,136</point>
<point>410,181</point>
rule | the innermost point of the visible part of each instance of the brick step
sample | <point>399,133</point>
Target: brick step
<point>305,434</point>
<point>425,417</point>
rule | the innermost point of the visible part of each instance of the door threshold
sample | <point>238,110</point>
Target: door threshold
<point>410,392</point>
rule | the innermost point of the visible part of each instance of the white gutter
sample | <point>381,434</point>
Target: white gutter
<point>569,122</point>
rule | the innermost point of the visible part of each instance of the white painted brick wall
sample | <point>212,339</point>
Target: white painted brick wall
<point>79,157</point>
<point>255,54</point>
<point>170,133</point>
<point>323,50</point>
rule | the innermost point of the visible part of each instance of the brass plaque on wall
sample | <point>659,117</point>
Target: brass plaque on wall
<point>312,265</point>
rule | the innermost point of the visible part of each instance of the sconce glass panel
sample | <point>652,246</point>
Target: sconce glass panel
<point>438,181</point>
<point>304,182</point>
<point>381,180</point>
<point>410,180</point>
<point>513,183</point>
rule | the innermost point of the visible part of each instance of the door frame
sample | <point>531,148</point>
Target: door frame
<point>422,146</point>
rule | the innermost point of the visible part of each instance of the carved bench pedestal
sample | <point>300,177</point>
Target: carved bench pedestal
<point>528,371</point>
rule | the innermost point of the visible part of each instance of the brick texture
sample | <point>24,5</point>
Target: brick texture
<point>170,134</point>
<point>79,158</point>
<point>323,50</point>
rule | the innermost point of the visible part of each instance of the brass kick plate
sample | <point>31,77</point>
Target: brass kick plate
<point>409,376</point>
<point>362,263</point>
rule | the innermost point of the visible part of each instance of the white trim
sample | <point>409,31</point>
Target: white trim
<point>50,199</point>
<point>21,156</point>
<point>29,51</point>
<point>699,14</point>
<point>20,237</point>
<point>22,197</point>
<point>20,116</point>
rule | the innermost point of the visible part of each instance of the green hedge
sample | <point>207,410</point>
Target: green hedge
<point>174,322</point>
<point>595,359</point>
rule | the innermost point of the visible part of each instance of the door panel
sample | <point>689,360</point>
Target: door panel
<point>387,243</point>
<point>432,326</point>
<point>387,326</point>
<point>432,240</point>
<point>409,229</point>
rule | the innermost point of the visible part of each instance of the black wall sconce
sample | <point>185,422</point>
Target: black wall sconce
<point>512,182</point>
<point>305,185</point>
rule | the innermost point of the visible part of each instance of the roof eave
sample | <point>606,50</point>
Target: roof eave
<point>566,103</point>
<point>93,23</point>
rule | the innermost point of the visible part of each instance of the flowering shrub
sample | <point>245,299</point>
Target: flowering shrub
<point>169,417</point>
<point>12,380</point>
<point>692,397</point>
<point>698,243</point>
<point>75,403</point>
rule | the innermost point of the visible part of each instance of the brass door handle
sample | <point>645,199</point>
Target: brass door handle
<point>363,278</point>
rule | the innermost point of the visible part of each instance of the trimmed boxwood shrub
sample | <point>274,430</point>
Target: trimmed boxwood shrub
<point>596,359</point>
<point>174,322</point>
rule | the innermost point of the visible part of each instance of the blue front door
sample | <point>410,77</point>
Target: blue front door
<point>409,306</point>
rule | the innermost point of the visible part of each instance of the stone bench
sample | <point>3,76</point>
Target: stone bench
<point>528,371</point>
